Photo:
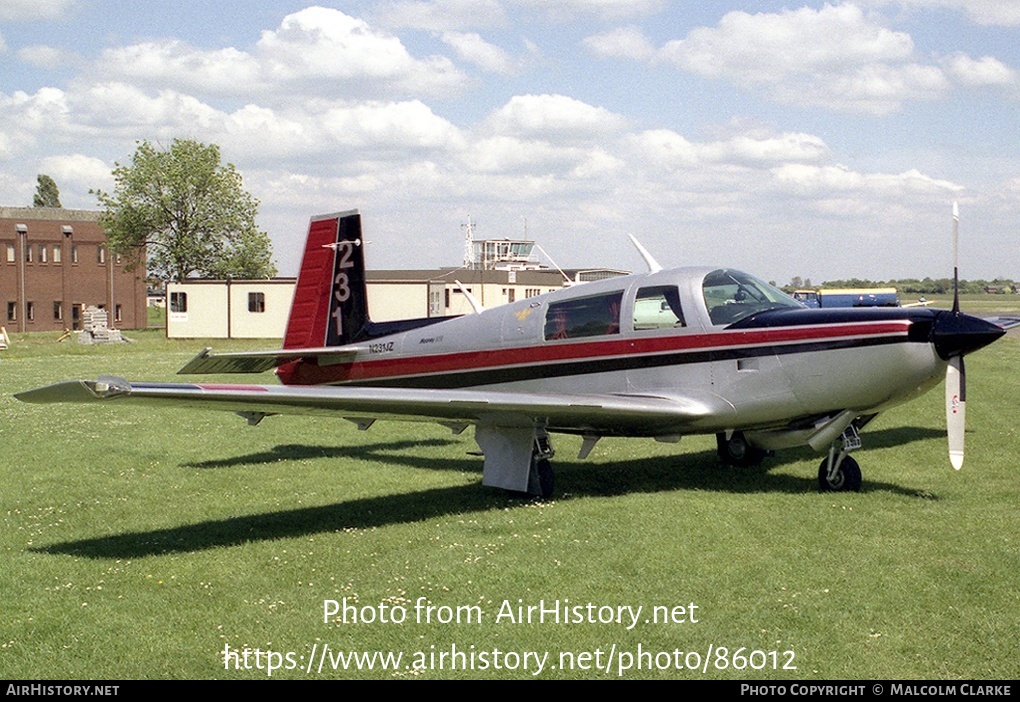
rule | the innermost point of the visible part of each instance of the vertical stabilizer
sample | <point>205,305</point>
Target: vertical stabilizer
<point>330,305</point>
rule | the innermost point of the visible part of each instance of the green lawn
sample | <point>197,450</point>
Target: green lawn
<point>140,543</point>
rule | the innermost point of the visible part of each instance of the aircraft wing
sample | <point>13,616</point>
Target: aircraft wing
<point>621,415</point>
<point>1007,321</point>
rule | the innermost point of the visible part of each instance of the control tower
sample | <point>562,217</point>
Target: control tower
<point>497,254</point>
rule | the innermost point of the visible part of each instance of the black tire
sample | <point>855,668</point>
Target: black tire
<point>737,452</point>
<point>848,477</point>
<point>540,482</point>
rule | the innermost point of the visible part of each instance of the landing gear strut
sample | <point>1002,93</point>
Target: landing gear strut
<point>540,480</point>
<point>839,472</point>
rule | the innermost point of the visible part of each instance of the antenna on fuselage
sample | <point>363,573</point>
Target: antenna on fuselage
<point>477,306</point>
<point>653,265</point>
<point>555,265</point>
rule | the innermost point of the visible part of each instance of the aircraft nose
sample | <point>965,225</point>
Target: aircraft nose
<point>955,334</point>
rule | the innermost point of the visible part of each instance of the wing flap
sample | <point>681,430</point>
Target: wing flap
<point>621,415</point>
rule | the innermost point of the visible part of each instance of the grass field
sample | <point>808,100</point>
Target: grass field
<point>138,544</point>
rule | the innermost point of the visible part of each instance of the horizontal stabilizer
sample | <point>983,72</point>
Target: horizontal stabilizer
<point>261,361</point>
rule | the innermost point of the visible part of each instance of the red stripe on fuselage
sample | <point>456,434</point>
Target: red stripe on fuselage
<point>306,373</point>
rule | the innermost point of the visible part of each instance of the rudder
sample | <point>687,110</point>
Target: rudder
<point>330,306</point>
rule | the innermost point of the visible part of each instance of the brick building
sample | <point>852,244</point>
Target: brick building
<point>54,263</point>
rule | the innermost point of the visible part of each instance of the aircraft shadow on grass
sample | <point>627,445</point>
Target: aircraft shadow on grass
<point>693,471</point>
<point>295,452</point>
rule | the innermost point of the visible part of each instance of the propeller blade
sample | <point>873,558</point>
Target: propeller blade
<point>956,406</point>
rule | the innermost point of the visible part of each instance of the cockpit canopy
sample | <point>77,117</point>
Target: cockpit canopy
<point>732,295</point>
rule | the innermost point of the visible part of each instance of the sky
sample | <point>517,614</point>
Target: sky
<point>809,139</point>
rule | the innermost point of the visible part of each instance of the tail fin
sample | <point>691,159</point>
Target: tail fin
<point>330,305</point>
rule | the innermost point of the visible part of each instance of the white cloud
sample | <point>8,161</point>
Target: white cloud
<point>980,72</point>
<point>174,63</point>
<point>403,126</point>
<point>835,57</point>
<point>441,15</point>
<point>29,119</point>
<point>472,48</point>
<point>623,42</point>
<point>665,148</point>
<point>317,51</point>
<point>334,52</point>
<point>18,10</point>
<point>507,154</point>
<point>313,135</point>
<point>770,47</point>
<point>756,148</point>
<point>46,56</point>
<point>1000,13</point>
<point>75,175</point>
<point>554,117</point>
<point>603,9</point>
<point>826,181</point>
<point>119,108</point>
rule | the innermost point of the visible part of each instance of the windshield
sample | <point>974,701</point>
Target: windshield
<point>731,296</point>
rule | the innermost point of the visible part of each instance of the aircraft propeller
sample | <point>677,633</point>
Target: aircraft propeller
<point>954,335</point>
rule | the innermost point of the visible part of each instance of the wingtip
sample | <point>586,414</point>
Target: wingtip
<point>67,391</point>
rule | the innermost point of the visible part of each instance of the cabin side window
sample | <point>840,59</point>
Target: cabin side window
<point>658,307</point>
<point>581,317</point>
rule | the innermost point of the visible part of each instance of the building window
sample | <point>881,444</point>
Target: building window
<point>12,311</point>
<point>511,294</point>
<point>586,316</point>
<point>29,255</point>
<point>117,259</point>
<point>30,311</point>
<point>100,254</point>
<point>58,311</point>
<point>178,302</point>
<point>74,253</point>
<point>118,313</point>
<point>57,254</point>
<point>42,253</point>
<point>532,292</point>
<point>11,257</point>
<point>256,302</point>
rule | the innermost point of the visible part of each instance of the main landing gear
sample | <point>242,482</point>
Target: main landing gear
<point>540,480</point>
<point>838,472</point>
<point>735,451</point>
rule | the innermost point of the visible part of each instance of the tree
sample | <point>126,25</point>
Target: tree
<point>46,192</point>
<point>187,212</point>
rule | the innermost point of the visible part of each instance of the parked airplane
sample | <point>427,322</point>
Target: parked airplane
<point>660,355</point>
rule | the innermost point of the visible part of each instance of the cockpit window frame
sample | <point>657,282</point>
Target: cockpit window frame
<point>732,295</point>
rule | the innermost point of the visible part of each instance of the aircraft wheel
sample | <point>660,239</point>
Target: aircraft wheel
<point>848,477</point>
<point>737,452</point>
<point>540,483</point>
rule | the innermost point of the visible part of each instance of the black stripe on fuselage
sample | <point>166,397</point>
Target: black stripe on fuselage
<point>492,376</point>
